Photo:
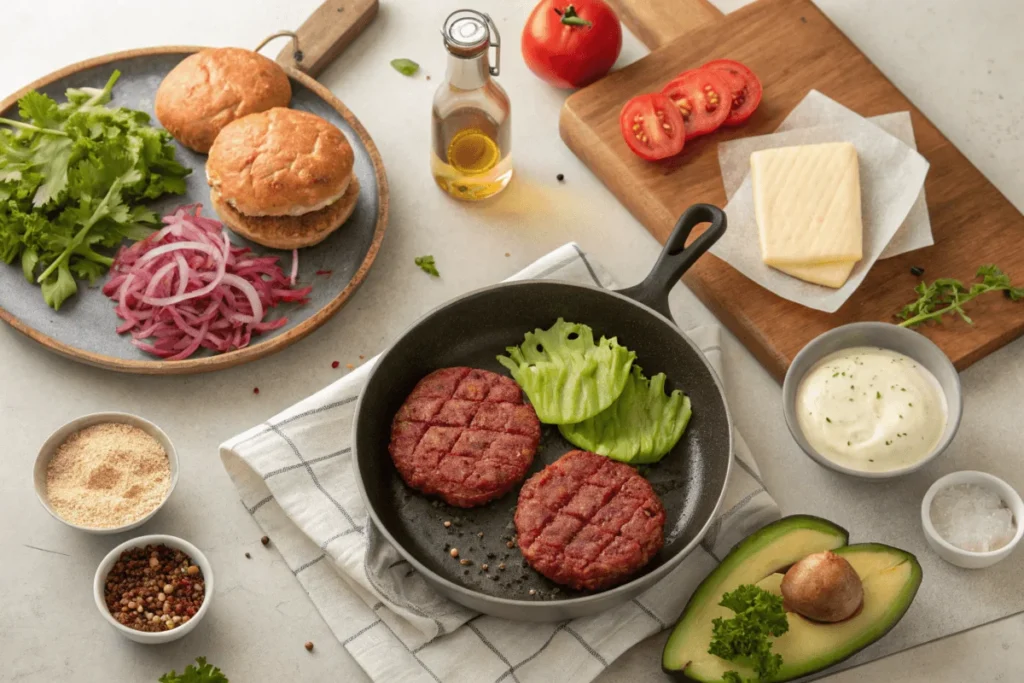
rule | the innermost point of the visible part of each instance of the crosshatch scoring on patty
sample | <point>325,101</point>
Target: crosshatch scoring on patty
<point>464,435</point>
<point>588,522</point>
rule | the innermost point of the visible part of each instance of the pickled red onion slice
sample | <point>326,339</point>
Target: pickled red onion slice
<point>185,288</point>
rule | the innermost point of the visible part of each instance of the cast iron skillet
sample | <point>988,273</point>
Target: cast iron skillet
<point>471,331</point>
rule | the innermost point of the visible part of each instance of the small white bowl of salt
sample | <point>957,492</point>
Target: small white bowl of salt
<point>972,519</point>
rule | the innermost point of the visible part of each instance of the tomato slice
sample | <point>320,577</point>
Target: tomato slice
<point>745,87</point>
<point>703,98</point>
<point>652,127</point>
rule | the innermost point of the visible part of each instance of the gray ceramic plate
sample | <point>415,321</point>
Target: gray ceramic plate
<point>84,327</point>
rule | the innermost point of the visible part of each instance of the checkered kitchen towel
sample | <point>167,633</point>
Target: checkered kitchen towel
<point>295,476</point>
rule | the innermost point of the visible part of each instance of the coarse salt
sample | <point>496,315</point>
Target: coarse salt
<point>107,475</point>
<point>972,518</point>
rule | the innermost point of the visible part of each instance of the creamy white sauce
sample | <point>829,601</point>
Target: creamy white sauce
<point>871,409</point>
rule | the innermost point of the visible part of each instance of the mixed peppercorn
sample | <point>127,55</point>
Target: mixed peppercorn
<point>154,588</point>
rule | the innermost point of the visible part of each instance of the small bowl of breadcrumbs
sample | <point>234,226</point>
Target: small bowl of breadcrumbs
<point>106,473</point>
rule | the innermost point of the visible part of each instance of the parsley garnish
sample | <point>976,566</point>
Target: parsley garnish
<point>204,673</point>
<point>746,636</point>
<point>427,265</point>
<point>948,295</point>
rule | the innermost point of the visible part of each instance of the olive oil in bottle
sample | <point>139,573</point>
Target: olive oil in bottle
<point>471,118</point>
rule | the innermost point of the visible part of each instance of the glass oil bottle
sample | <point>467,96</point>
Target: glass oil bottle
<point>471,118</point>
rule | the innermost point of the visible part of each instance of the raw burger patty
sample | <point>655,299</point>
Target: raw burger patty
<point>588,522</point>
<point>464,435</point>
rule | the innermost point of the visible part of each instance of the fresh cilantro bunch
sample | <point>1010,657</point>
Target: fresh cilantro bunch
<point>947,295</point>
<point>746,636</point>
<point>203,673</point>
<point>73,178</point>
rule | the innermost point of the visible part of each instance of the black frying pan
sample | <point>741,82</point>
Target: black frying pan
<point>471,331</point>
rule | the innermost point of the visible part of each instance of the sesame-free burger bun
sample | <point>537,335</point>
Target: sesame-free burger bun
<point>289,232</point>
<point>281,162</point>
<point>211,88</point>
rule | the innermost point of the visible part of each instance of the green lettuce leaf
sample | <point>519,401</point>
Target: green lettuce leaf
<point>567,376</point>
<point>641,427</point>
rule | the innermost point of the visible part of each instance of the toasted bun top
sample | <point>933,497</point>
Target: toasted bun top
<point>281,162</point>
<point>211,88</point>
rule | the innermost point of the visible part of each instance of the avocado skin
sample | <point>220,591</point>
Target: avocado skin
<point>776,527</point>
<point>907,596</point>
<point>916,576</point>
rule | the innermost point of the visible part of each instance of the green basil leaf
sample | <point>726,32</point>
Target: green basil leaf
<point>406,67</point>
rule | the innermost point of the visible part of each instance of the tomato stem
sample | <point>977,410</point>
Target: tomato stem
<point>570,18</point>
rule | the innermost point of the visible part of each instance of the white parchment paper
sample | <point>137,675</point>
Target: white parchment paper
<point>891,177</point>
<point>815,110</point>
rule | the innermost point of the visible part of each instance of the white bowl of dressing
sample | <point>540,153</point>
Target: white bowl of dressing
<point>966,558</point>
<point>872,400</point>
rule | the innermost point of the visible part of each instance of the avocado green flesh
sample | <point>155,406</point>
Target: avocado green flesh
<point>890,577</point>
<point>761,554</point>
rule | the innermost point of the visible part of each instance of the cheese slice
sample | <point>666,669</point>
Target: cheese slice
<point>807,204</point>
<point>832,275</point>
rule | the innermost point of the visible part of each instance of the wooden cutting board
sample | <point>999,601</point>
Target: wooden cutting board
<point>794,48</point>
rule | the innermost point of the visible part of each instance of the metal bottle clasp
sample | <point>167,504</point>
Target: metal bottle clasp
<point>495,43</point>
<point>493,37</point>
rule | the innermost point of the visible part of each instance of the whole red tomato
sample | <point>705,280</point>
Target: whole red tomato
<point>571,44</point>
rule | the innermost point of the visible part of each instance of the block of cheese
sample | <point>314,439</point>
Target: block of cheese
<point>832,275</point>
<point>807,204</point>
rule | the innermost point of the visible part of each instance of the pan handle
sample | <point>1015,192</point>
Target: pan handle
<point>676,258</point>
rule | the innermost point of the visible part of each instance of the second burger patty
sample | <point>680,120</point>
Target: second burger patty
<point>465,435</point>
<point>588,522</point>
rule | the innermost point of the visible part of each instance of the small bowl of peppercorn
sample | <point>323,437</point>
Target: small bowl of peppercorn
<point>154,589</point>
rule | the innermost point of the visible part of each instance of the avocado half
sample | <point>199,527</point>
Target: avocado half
<point>890,576</point>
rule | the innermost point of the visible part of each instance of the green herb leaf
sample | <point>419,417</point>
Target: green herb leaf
<point>57,288</point>
<point>947,296</point>
<point>641,426</point>
<point>427,265</point>
<point>73,177</point>
<point>40,109</point>
<point>29,259</point>
<point>57,154</point>
<point>568,376</point>
<point>746,636</point>
<point>203,673</point>
<point>732,677</point>
<point>406,67</point>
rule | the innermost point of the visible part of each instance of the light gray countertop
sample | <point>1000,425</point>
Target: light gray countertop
<point>958,61</point>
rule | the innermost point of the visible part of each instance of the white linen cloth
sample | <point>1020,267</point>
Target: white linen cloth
<point>294,475</point>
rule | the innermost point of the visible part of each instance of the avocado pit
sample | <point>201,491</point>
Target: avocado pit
<point>823,587</point>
